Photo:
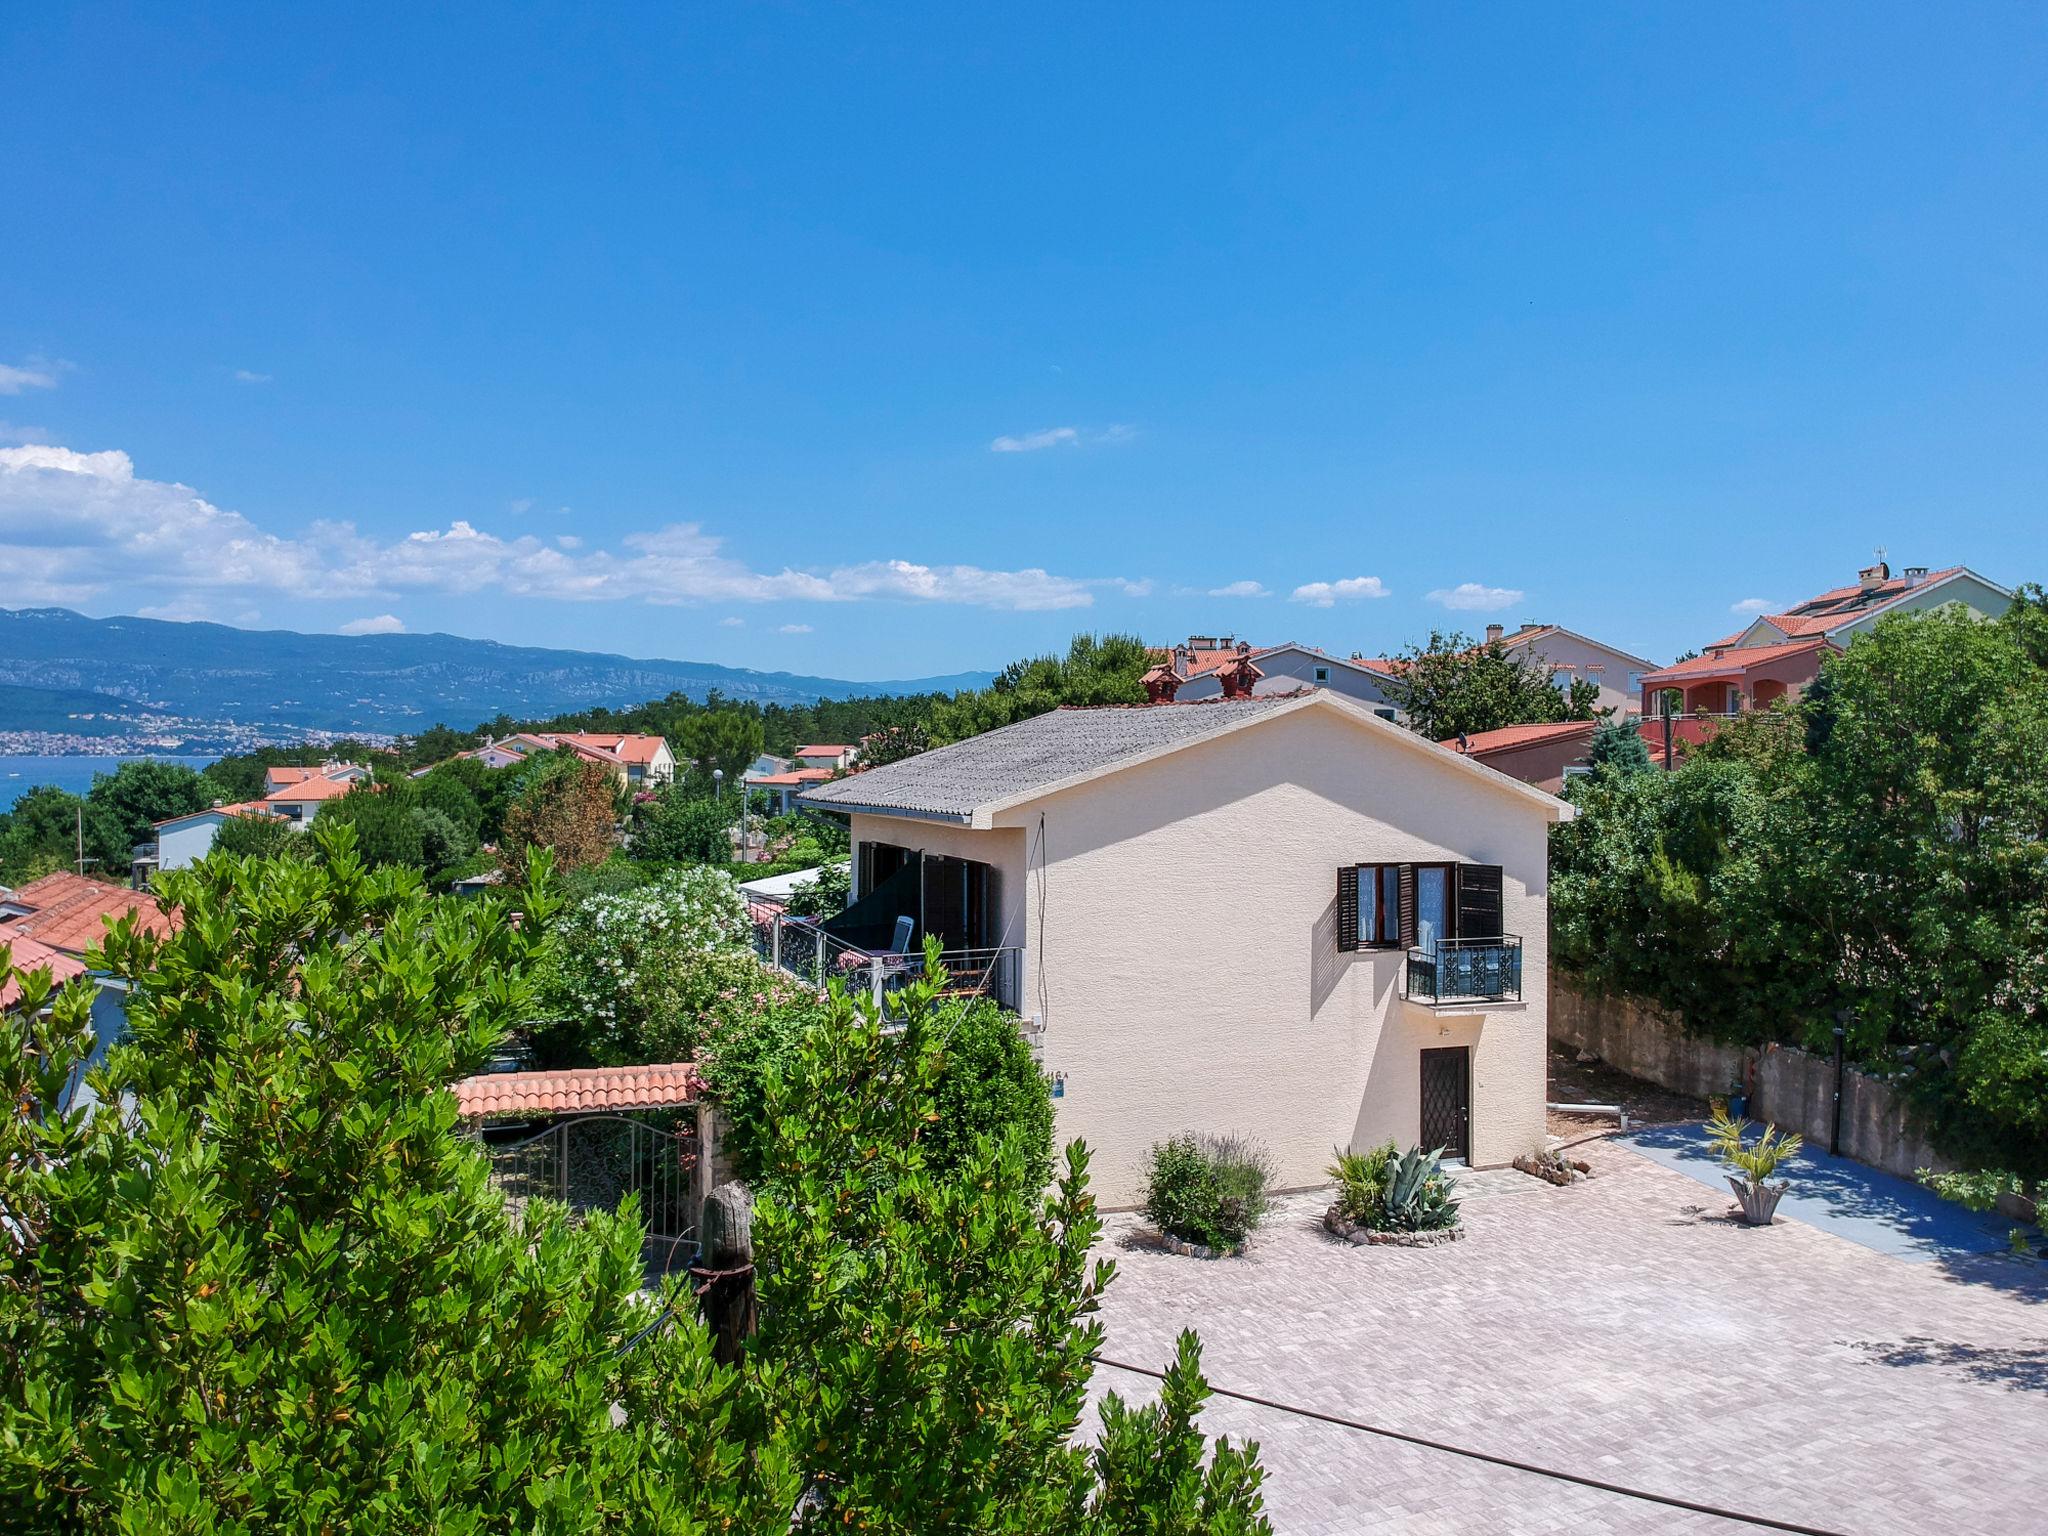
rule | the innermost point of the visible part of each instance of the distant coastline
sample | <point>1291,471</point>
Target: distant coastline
<point>73,772</point>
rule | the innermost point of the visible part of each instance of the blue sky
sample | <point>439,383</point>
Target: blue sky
<point>885,341</point>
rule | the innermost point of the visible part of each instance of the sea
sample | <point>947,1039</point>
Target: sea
<point>19,775</point>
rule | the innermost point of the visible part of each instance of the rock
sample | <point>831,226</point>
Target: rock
<point>1588,1059</point>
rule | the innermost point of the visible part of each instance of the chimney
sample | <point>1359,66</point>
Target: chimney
<point>1493,634</point>
<point>1238,675</point>
<point>1873,576</point>
<point>1915,574</point>
<point>1183,659</point>
<point>1161,682</point>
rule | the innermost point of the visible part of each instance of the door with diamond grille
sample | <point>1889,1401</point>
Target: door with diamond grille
<point>1447,1101</point>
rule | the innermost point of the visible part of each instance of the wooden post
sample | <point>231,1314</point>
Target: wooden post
<point>724,1271</point>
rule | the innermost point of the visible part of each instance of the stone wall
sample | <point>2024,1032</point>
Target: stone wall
<point>1788,1087</point>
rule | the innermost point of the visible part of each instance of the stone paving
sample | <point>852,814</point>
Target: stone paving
<point>1622,1329</point>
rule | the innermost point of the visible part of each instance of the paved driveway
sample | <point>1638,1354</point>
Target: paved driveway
<point>1619,1329</point>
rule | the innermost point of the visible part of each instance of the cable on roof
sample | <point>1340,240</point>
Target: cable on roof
<point>1763,1521</point>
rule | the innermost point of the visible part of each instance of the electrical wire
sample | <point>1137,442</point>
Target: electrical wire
<point>1762,1521</point>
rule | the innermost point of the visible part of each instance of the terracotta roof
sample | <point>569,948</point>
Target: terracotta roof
<point>627,749</point>
<point>29,955</point>
<point>577,1091</point>
<point>70,912</point>
<point>317,788</point>
<point>821,751</point>
<point>1519,735</point>
<point>284,774</point>
<point>239,808</point>
<point>1732,663</point>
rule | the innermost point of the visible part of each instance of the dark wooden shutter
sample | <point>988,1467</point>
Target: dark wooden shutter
<point>1479,901</point>
<point>1347,907</point>
<point>1407,906</point>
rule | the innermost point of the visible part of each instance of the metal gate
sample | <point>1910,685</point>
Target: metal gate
<point>1447,1100</point>
<point>592,1162</point>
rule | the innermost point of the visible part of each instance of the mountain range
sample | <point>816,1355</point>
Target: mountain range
<point>62,672</point>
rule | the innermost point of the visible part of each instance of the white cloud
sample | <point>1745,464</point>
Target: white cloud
<point>250,376</point>
<point>1031,442</point>
<point>1063,437</point>
<point>568,541</point>
<point>734,622</point>
<point>1240,589</point>
<point>382,624</point>
<point>1471,597</point>
<point>794,629</point>
<point>1754,605</point>
<point>1327,594</point>
<point>520,507</point>
<point>14,432</point>
<point>31,374</point>
<point>73,525</point>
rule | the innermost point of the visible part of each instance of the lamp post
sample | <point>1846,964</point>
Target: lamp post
<point>718,783</point>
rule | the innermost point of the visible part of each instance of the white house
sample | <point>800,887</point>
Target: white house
<point>1285,668</point>
<point>1284,916</point>
<point>640,762</point>
<point>833,757</point>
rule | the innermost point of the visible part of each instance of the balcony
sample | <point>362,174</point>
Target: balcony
<point>1450,973</point>
<point>800,947</point>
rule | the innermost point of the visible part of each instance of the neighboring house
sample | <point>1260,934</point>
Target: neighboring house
<point>185,840</point>
<point>832,757</point>
<point>277,778</point>
<point>641,762</point>
<point>765,764</point>
<point>783,788</point>
<point>1284,916</point>
<point>55,920</point>
<point>1542,755</point>
<point>1569,657</point>
<point>1286,668</point>
<point>1778,655</point>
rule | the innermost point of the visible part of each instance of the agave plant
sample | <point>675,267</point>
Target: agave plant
<point>1755,1160</point>
<point>1417,1193</point>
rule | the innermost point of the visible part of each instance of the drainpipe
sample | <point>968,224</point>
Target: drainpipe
<point>1664,708</point>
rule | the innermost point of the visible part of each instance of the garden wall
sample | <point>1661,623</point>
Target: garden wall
<point>1787,1086</point>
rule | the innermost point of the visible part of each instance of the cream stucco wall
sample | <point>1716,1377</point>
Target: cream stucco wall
<point>1186,970</point>
<point>1617,676</point>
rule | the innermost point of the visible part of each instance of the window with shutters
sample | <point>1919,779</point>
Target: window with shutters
<point>1408,906</point>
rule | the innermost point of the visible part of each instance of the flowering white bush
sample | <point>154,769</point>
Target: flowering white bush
<point>642,975</point>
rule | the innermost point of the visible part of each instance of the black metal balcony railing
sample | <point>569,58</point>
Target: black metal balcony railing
<point>1448,971</point>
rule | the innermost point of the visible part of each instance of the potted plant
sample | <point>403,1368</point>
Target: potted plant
<point>1755,1161</point>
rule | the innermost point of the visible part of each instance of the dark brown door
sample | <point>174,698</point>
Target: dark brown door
<point>1447,1101</point>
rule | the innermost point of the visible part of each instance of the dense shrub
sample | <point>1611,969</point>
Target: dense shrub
<point>1208,1189</point>
<point>826,896</point>
<point>1361,1179</point>
<point>649,974</point>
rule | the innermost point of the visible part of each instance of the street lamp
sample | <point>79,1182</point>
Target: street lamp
<point>718,783</point>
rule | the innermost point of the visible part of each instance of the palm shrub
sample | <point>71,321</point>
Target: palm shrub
<point>1755,1161</point>
<point>1361,1179</point>
<point>1208,1189</point>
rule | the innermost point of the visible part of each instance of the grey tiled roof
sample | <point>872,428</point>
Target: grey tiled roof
<point>1031,755</point>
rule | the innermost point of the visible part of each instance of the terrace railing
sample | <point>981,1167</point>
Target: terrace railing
<point>800,947</point>
<point>1453,971</point>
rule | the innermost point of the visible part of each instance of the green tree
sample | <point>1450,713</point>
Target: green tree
<point>891,744</point>
<point>1618,748</point>
<point>279,1295</point>
<point>44,830</point>
<point>387,833</point>
<point>950,1403</point>
<point>682,827</point>
<point>262,837</point>
<point>725,739</point>
<point>138,795</point>
<point>1095,670</point>
<point>566,804</point>
<point>1453,685</point>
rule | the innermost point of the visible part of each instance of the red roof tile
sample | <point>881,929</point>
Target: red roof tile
<point>70,912</point>
<point>579,1091</point>
<point>821,751</point>
<point>28,955</point>
<point>1731,663</point>
<point>1519,735</point>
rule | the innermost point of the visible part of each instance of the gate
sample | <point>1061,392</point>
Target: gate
<point>592,1162</point>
